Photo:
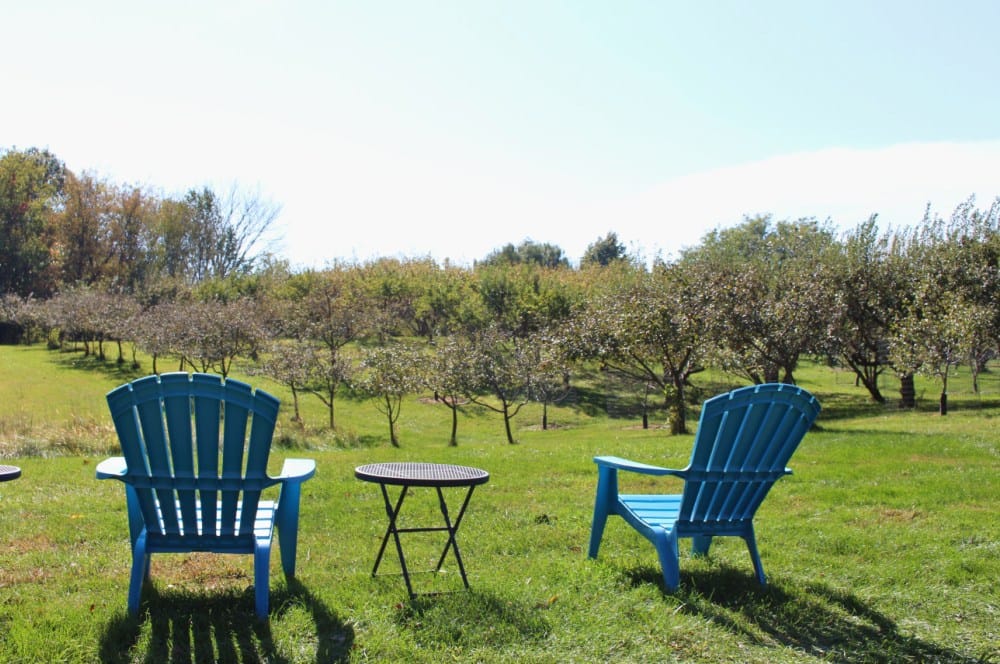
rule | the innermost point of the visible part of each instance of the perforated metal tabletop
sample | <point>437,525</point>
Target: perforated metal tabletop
<point>421,474</point>
<point>9,473</point>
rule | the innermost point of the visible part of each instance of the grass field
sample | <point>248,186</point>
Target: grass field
<point>884,546</point>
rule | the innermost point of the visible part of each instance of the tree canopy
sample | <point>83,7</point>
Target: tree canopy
<point>86,262</point>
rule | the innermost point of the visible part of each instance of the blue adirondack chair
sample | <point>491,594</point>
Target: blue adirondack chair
<point>195,458</point>
<point>744,439</point>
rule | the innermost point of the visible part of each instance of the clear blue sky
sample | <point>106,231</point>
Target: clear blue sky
<point>449,128</point>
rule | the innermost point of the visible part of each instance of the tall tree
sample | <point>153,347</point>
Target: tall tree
<point>31,190</point>
<point>971,267</point>
<point>604,251</point>
<point>83,232</point>
<point>767,290</point>
<point>540,254</point>
<point>445,303</point>
<point>386,374</point>
<point>245,218</point>
<point>205,235</point>
<point>502,367</point>
<point>131,239</point>
<point>651,331</point>
<point>449,375</point>
<point>332,310</point>
<point>210,335</point>
<point>952,312</point>
<point>288,362</point>
<point>523,299</point>
<point>872,287</point>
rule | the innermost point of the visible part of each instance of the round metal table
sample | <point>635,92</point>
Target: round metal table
<point>436,475</point>
<point>9,473</point>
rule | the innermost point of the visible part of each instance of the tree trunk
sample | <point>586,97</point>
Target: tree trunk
<point>677,409</point>
<point>943,406</point>
<point>454,425</point>
<point>295,404</point>
<point>392,422</point>
<point>868,376</point>
<point>645,408</point>
<point>506,423</point>
<point>907,392</point>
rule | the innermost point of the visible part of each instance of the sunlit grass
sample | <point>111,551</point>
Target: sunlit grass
<point>883,546</point>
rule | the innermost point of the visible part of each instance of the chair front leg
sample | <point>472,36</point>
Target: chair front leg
<point>604,503</point>
<point>287,523</point>
<point>666,549</point>
<point>758,567</point>
<point>140,572</point>
<point>135,519</point>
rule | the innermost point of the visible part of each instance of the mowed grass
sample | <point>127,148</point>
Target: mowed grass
<point>884,545</point>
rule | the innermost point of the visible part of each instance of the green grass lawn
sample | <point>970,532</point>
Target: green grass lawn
<point>884,545</point>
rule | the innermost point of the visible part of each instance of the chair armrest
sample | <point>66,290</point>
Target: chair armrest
<point>636,467</point>
<point>297,470</point>
<point>112,468</point>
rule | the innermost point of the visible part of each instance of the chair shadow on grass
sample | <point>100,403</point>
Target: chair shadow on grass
<point>221,627</point>
<point>815,619</point>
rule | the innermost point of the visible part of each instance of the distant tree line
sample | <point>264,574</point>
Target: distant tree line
<point>61,229</point>
<point>118,270</point>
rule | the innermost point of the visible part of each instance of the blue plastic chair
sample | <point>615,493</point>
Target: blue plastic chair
<point>744,439</point>
<point>195,452</point>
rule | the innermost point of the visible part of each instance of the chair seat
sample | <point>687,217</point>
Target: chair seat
<point>653,510</point>
<point>197,540</point>
<point>646,512</point>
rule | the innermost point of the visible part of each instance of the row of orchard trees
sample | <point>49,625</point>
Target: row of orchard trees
<point>753,300</point>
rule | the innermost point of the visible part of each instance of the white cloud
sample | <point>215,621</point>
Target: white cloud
<point>843,185</point>
<point>382,206</point>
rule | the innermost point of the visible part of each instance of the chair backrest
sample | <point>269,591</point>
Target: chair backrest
<point>190,437</point>
<point>743,443</point>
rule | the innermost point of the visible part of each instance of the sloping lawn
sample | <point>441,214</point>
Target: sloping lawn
<point>883,546</point>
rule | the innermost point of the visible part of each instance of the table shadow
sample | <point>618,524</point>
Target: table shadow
<point>473,619</point>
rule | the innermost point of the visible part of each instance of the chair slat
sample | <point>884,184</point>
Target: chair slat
<point>177,411</point>
<point>208,395</point>
<point>258,451</point>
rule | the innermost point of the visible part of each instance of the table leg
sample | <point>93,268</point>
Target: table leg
<point>393,512</point>
<point>452,530</point>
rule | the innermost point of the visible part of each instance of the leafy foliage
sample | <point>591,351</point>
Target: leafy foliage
<point>528,253</point>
